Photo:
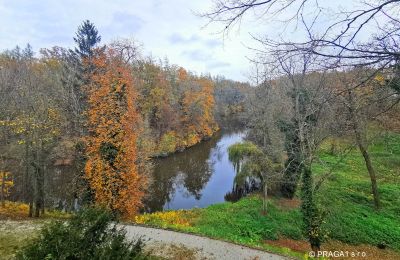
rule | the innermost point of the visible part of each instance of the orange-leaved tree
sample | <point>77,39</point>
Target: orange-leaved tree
<point>113,123</point>
<point>198,105</point>
<point>207,123</point>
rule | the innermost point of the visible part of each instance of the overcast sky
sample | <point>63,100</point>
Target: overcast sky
<point>166,28</point>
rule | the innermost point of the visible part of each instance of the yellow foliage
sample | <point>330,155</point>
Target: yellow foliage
<point>8,182</point>
<point>192,138</point>
<point>19,210</point>
<point>14,210</point>
<point>176,218</point>
<point>380,78</point>
<point>45,124</point>
<point>168,142</point>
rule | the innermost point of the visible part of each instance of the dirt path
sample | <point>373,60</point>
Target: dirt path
<point>196,247</point>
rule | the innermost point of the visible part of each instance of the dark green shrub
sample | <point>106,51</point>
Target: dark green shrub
<point>90,234</point>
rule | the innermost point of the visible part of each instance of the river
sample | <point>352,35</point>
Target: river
<point>197,177</point>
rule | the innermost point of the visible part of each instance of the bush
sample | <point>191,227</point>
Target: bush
<point>87,235</point>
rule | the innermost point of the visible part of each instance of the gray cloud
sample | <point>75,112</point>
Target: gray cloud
<point>179,39</point>
<point>213,43</point>
<point>217,64</point>
<point>197,55</point>
<point>123,24</point>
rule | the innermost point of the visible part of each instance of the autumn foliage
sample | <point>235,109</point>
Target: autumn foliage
<point>178,106</point>
<point>113,124</point>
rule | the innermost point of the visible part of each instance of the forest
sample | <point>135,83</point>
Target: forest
<point>91,118</point>
<point>301,161</point>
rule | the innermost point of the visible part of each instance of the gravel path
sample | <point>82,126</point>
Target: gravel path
<point>204,248</point>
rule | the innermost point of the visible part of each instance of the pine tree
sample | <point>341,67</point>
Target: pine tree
<point>87,38</point>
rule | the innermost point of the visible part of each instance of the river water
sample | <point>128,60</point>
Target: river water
<point>197,177</point>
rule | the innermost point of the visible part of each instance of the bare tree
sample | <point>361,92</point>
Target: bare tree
<point>300,97</point>
<point>342,38</point>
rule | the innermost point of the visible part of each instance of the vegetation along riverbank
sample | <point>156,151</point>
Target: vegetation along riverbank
<point>350,222</point>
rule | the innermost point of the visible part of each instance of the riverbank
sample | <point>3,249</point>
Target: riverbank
<point>174,149</point>
<point>352,222</point>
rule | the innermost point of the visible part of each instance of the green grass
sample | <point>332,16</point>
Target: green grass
<point>346,196</point>
<point>242,222</point>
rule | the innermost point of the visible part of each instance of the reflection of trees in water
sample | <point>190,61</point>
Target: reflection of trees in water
<point>190,169</point>
<point>59,180</point>
<point>220,149</point>
<point>216,154</point>
<point>238,191</point>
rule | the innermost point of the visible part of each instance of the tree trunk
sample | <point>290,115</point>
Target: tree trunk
<point>364,151</point>
<point>39,194</point>
<point>3,186</point>
<point>37,199</point>
<point>265,194</point>
<point>30,213</point>
<point>42,195</point>
<point>37,211</point>
<point>315,248</point>
<point>28,180</point>
<point>372,175</point>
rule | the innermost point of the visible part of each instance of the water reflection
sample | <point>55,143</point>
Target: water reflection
<point>197,177</point>
<point>238,191</point>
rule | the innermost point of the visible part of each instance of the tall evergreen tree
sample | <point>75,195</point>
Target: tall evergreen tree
<point>87,38</point>
<point>80,64</point>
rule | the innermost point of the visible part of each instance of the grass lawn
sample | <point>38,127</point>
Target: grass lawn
<point>17,229</point>
<point>16,234</point>
<point>351,221</point>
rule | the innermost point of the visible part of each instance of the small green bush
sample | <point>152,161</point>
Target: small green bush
<point>90,234</point>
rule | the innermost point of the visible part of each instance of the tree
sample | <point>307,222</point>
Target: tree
<point>339,35</point>
<point>6,182</point>
<point>250,161</point>
<point>113,124</point>
<point>177,107</point>
<point>339,40</point>
<point>309,96</point>
<point>197,105</point>
<point>32,126</point>
<point>229,98</point>
<point>87,38</point>
<point>207,124</point>
<point>74,68</point>
<point>293,164</point>
<point>296,103</point>
<point>37,131</point>
<point>358,108</point>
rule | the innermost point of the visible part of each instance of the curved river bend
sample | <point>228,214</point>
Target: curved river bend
<point>197,177</point>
